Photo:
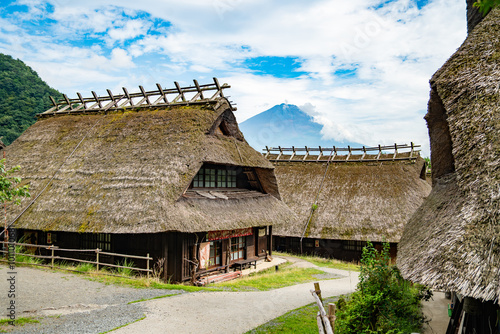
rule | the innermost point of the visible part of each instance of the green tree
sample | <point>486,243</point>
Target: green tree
<point>11,189</point>
<point>486,5</point>
<point>22,95</point>
<point>383,302</point>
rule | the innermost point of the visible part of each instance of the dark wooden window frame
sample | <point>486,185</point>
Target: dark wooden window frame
<point>238,244</point>
<point>96,240</point>
<point>215,177</point>
<point>215,252</point>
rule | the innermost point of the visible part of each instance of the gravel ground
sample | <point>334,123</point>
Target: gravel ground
<point>68,303</point>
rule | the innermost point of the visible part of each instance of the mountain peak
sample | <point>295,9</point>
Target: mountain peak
<point>284,125</point>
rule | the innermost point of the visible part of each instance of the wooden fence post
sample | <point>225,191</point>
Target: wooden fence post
<point>97,258</point>
<point>331,314</point>
<point>318,291</point>
<point>52,257</point>
<point>320,323</point>
<point>147,264</point>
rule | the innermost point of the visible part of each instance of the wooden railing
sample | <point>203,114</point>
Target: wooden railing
<point>342,154</point>
<point>52,257</point>
<point>155,98</point>
<point>326,322</point>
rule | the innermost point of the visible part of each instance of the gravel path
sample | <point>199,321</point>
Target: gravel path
<point>68,303</point>
<point>234,312</point>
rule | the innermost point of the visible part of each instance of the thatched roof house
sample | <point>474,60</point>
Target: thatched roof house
<point>355,201</point>
<point>453,241</point>
<point>140,170</point>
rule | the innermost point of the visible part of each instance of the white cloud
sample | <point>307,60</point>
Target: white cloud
<point>394,50</point>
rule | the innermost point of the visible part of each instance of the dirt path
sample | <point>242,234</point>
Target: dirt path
<point>71,304</point>
<point>233,312</point>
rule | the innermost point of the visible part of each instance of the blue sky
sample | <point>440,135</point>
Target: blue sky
<point>359,67</point>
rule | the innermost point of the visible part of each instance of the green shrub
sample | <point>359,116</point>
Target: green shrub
<point>383,302</point>
<point>125,271</point>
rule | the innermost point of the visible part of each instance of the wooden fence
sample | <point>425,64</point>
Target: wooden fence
<point>52,257</point>
<point>144,99</point>
<point>337,154</point>
<point>326,322</point>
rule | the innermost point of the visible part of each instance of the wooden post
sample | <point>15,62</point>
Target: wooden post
<point>324,317</point>
<point>147,264</point>
<point>52,257</point>
<point>331,314</point>
<point>318,291</point>
<point>97,258</point>
<point>320,323</point>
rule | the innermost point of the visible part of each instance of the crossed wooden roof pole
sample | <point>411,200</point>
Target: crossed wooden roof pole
<point>331,154</point>
<point>156,98</point>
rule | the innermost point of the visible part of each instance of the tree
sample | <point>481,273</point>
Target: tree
<point>383,302</point>
<point>11,190</point>
<point>486,5</point>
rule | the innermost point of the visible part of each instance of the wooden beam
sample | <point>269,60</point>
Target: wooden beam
<point>163,94</point>
<point>97,99</point>
<point>198,89</point>
<point>181,93</point>
<point>146,98</point>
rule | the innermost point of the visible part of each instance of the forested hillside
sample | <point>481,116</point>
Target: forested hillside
<point>22,95</point>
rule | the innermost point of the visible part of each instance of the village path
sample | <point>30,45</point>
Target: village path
<point>233,312</point>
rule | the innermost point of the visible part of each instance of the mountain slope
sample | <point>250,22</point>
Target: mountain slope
<point>285,125</point>
<point>22,95</point>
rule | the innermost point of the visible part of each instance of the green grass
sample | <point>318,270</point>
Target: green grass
<point>270,279</point>
<point>299,321</point>
<point>6,323</point>
<point>324,262</point>
<point>157,297</point>
<point>144,317</point>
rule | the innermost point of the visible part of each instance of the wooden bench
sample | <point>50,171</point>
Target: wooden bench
<point>242,263</point>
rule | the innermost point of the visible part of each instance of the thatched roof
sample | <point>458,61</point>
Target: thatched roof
<point>131,171</point>
<point>358,200</point>
<point>453,240</point>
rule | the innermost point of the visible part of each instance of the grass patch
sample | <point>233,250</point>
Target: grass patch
<point>157,297</point>
<point>144,317</point>
<point>270,279</point>
<point>299,321</point>
<point>5,324</point>
<point>324,262</point>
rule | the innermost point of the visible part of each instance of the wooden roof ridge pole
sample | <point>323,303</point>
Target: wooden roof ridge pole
<point>96,98</point>
<point>146,98</point>
<point>395,151</point>
<point>112,97</point>
<point>281,152</point>
<point>379,152</point>
<point>67,101</point>
<point>200,92</point>
<point>82,100</point>
<point>219,89</point>
<point>181,93</point>
<point>268,152</point>
<point>305,155</point>
<point>162,93</point>
<point>348,154</point>
<point>334,150</point>
<point>129,98</point>
<point>364,153</point>
<point>411,152</point>
<point>293,153</point>
<point>320,153</point>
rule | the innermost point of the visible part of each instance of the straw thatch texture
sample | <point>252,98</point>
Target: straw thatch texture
<point>358,201</point>
<point>129,174</point>
<point>453,241</point>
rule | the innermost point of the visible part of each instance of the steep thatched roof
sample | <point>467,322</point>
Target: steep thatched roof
<point>453,240</point>
<point>131,171</point>
<point>358,200</point>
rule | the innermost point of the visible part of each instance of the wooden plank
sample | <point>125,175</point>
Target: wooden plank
<point>145,95</point>
<point>162,93</point>
<point>199,89</point>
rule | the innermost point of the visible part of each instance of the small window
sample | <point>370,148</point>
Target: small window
<point>354,245</point>
<point>215,253</point>
<point>238,248</point>
<point>215,177</point>
<point>96,240</point>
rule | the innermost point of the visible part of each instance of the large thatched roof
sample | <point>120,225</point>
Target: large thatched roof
<point>453,240</point>
<point>358,200</point>
<point>131,171</point>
